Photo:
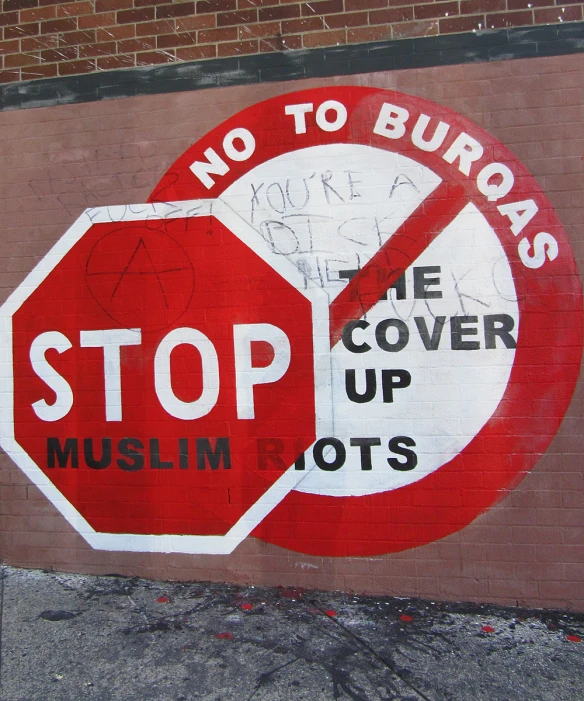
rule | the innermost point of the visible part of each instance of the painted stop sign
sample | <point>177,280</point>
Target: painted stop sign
<point>164,375</point>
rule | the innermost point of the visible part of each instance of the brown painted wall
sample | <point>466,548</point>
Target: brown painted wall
<point>528,549</point>
<point>46,38</point>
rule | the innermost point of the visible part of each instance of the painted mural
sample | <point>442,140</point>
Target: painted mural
<point>346,322</point>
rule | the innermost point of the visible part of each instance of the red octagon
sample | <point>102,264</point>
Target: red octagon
<point>143,470</point>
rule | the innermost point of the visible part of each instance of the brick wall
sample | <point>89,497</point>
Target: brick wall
<point>56,161</point>
<point>46,38</point>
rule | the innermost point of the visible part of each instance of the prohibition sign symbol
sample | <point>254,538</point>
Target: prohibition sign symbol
<point>548,298</point>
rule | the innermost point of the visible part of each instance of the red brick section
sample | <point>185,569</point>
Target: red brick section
<point>44,38</point>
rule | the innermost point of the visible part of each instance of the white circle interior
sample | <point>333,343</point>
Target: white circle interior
<point>328,209</point>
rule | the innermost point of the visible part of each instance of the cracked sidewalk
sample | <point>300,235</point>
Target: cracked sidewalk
<point>76,637</point>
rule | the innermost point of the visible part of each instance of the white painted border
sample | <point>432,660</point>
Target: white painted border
<point>216,545</point>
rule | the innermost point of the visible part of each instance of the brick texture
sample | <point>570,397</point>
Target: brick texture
<point>237,27</point>
<point>527,549</point>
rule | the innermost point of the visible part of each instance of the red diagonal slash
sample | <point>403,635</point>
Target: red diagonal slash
<point>395,256</point>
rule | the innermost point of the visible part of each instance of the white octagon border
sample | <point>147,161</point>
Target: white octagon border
<point>189,544</point>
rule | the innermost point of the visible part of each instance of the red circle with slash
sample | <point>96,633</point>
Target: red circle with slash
<point>549,345</point>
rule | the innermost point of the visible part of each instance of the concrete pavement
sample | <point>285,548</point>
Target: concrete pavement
<point>69,637</point>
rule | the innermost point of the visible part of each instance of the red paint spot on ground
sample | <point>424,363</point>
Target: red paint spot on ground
<point>406,618</point>
<point>163,599</point>
<point>574,638</point>
<point>291,593</point>
<point>488,629</point>
<point>247,607</point>
<point>331,612</point>
<point>224,636</point>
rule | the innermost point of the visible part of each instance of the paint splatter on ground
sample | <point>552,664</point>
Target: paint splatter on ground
<point>124,643</point>
<point>224,636</point>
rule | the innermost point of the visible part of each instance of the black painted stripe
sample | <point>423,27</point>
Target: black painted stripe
<point>423,52</point>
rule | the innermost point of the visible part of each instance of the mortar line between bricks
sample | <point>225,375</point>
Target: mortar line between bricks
<point>375,654</point>
<point>250,69</point>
